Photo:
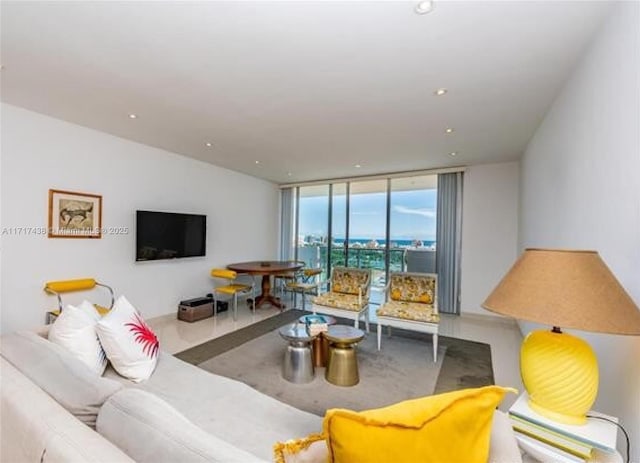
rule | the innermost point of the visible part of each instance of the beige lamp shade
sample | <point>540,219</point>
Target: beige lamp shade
<point>567,289</point>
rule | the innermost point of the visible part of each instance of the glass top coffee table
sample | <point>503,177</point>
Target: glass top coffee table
<point>296,333</point>
<point>343,363</point>
<point>320,345</point>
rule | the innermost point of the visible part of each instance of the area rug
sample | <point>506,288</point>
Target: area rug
<point>403,369</point>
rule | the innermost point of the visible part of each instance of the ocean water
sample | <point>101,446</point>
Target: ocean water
<point>382,242</point>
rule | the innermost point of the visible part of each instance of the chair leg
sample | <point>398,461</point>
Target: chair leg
<point>379,334</point>
<point>366,319</point>
<point>235,306</point>
<point>356,321</point>
<point>215,304</point>
<point>435,347</point>
<point>253,301</point>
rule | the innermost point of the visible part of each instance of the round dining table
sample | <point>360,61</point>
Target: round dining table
<point>266,269</point>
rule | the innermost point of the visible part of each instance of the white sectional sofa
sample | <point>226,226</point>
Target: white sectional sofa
<point>34,427</point>
<point>182,413</point>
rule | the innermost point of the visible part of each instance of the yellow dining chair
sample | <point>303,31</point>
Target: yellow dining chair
<point>59,287</point>
<point>231,288</point>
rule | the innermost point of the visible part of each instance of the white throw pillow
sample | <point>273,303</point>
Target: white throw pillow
<point>90,309</point>
<point>75,330</point>
<point>130,345</point>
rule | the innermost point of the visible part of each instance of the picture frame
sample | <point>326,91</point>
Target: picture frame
<point>74,215</point>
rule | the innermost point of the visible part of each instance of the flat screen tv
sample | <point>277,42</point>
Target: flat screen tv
<point>169,235</point>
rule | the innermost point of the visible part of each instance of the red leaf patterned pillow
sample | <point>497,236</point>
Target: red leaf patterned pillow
<point>131,346</point>
<point>144,336</point>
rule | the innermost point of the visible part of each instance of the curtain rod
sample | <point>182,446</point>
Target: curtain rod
<point>412,173</point>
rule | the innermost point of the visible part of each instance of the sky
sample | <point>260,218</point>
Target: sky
<point>413,215</point>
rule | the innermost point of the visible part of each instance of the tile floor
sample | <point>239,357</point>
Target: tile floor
<point>501,334</point>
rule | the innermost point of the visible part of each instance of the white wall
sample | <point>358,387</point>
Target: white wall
<point>39,153</point>
<point>581,189</point>
<point>489,230</point>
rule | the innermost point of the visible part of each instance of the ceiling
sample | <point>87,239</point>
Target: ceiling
<point>306,89</point>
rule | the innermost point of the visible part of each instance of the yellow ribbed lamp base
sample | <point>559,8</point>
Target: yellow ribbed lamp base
<point>560,373</point>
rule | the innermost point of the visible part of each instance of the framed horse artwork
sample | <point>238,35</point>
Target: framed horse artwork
<point>74,215</point>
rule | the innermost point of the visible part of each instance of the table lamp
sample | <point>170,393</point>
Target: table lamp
<point>563,289</point>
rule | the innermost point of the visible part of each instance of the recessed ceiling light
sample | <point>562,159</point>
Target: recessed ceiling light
<point>257,162</point>
<point>449,130</point>
<point>424,7</point>
<point>453,153</point>
<point>289,174</point>
<point>132,116</point>
<point>208,144</point>
<point>441,91</point>
<point>357,166</point>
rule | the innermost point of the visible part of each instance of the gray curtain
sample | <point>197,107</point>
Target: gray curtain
<point>286,224</point>
<point>449,241</point>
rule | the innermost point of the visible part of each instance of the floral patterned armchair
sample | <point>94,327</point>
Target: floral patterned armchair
<point>412,304</point>
<point>348,296</point>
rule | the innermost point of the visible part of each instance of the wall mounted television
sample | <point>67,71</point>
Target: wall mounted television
<point>169,235</point>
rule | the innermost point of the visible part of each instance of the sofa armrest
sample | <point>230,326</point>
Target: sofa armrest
<point>36,428</point>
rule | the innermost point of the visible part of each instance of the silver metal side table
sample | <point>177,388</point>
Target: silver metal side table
<point>298,363</point>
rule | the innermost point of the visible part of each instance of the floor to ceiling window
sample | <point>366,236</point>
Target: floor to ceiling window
<point>412,225</point>
<point>338,225</point>
<point>368,228</point>
<point>313,225</point>
<point>385,225</point>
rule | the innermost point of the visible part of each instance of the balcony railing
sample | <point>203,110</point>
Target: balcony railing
<point>315,255</point>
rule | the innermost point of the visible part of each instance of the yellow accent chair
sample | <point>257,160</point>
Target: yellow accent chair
<point>232,288</point>
<point>306,281</point>
<point>411,304</point>
<point>59,287</point>
<point>348,295</point>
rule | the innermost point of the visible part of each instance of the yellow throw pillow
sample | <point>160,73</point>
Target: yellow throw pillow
<point>448,428</point>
